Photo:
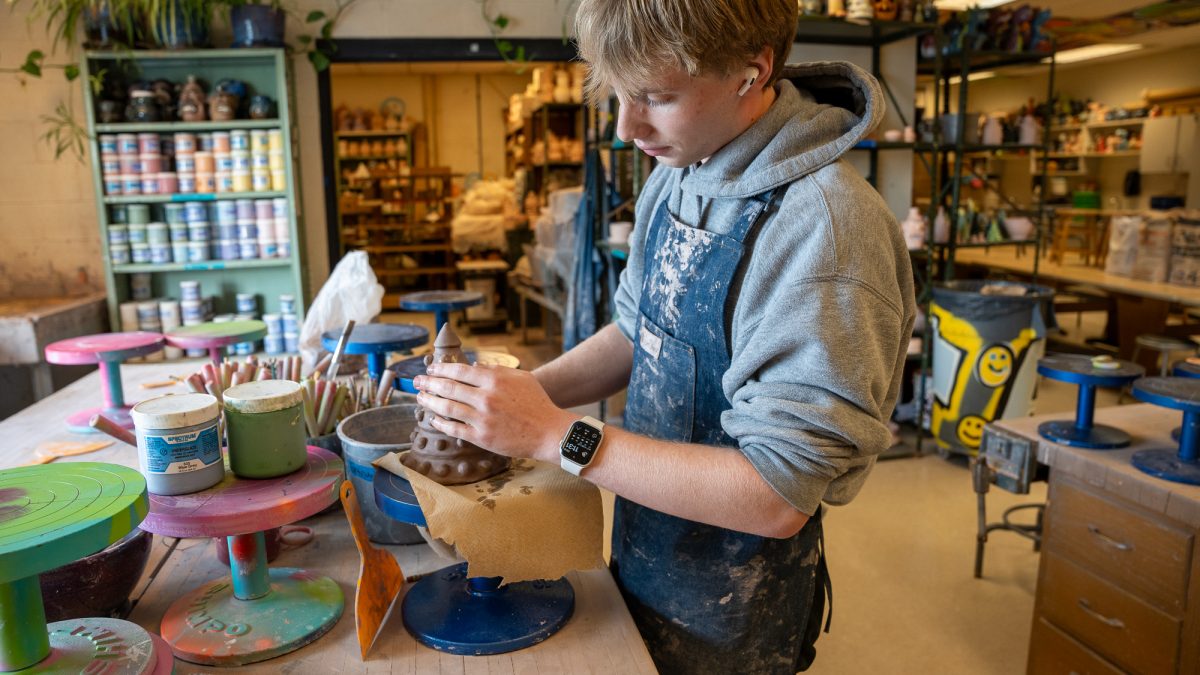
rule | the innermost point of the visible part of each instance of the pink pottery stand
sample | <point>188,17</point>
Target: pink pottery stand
<point>256,613</point>
<point>106,350</point>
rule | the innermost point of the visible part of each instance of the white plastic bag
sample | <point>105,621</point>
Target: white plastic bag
<point>350,293</point>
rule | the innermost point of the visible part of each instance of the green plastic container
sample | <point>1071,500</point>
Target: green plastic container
<point>264,422</point>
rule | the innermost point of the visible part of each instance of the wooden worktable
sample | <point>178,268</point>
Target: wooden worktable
<point>600,636</point>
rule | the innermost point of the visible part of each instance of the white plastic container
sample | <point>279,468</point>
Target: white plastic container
<point>179,449</point>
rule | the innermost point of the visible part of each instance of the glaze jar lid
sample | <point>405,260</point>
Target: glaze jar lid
<point>263,396</point>
<point>175,411</point>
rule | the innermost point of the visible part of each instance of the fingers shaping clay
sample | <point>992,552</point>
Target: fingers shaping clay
<point>445,459</point>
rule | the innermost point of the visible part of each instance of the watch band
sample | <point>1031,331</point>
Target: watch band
<point>575,467</point>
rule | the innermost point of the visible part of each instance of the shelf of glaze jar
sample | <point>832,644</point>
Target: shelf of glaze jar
<point>373,158</point>
<point>191,197</point>
<point>204,266</point>
<point>1007,242</point>
<point>368,134</point>
<point>208,125</point>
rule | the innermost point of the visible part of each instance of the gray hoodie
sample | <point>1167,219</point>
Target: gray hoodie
<point>821,310</point>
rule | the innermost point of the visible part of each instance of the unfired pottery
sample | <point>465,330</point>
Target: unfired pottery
<point>445,459</point>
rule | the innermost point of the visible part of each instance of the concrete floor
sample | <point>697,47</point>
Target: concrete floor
<point>901,557</point>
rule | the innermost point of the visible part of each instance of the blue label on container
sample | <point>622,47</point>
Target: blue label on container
<point>181,453</point>
<point>363,471</point>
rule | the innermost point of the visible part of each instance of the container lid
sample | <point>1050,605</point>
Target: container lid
<point>174,411</point>
<point>264,396</point>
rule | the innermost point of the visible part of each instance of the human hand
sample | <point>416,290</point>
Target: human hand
<point>500,409</point>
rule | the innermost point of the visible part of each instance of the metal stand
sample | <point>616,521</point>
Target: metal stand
<point>377,340</point>
<point>1182,464</point>
<point>441,303</point>
<point>1084,371</point>
<point>409,368</point>
<point>106,351</point>
<point>472,616</point>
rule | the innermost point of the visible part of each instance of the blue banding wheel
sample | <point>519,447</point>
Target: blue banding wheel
<point>1097,437</point>
<point>440,301</point>
<point>1177,393</point>
<point>409,368</point>
<point>1186,369</point>
<point>1075,369</point>
<point>394,496</point>
<point>473,617</point>
<point>1083,371</point>
<point>376,338</point>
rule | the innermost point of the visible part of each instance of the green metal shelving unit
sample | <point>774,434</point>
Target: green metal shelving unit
<point>265,71</point>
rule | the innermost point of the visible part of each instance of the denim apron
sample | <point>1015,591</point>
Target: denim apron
<point>705,599</point>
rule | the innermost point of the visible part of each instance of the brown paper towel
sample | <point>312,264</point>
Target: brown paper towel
<point>534,521</point>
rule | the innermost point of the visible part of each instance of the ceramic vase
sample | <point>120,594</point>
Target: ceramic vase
<point>914,229</point>
<point>941,227</point>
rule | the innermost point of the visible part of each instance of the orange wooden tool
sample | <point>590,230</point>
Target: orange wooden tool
<point>379,576</point>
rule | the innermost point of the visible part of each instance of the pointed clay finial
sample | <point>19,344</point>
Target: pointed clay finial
<point>447,348</point>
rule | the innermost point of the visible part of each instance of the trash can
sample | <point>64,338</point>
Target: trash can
<point>987,339</point>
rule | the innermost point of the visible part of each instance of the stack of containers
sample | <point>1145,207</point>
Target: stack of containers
<point>273,342</point>
<point>149,320</point>
<point>291,323</point>
<point>239,160</point>
<point>247,229</point>
<point>225,245</point>
<point>275,160</point>
<point>247,310</point>
<point>283,231</point>
<point>199,232</point>
<point>138,216</point>
<point>118,236</point>
<point>177,227</point>
<point>140,287</point>
<point>171,318</point>
<point>264,216</point>
<point>185,161</point>
<point>129,316</point>
<point>135,164</point>
<point>205,163</point>
<point>192,309</point>
<point>260,162</point>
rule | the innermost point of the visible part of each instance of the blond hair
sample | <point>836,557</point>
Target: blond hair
<point>627,44</point>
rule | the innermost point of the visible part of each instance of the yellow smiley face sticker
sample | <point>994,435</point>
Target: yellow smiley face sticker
<point>995,365</point>
<point>970,431</point>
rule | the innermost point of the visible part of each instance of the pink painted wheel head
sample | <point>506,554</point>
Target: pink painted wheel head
<point>90,349</point>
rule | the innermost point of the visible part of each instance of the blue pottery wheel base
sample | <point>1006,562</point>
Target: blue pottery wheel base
<point>445,612</point>
<point>1166,464</point>
<point>1097,437</point>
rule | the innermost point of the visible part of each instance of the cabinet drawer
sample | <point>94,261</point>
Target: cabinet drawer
<point>1053,652</point>
<point>1118,626</point>
<point>1139,553</point>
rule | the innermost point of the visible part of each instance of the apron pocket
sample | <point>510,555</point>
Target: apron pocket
<point>661,399</point>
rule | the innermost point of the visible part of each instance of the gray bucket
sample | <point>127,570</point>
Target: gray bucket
<point>367,436</point>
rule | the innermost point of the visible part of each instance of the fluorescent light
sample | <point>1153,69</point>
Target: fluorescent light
<point>1097,51</point>
<point>972,77</point>
<point>962,5</point>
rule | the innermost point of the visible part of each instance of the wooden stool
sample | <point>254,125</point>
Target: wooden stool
<point>107,351</point>
<point>1165,346</point>
<point>1069,228</point>
<point>441,303</point>
<point>215,336</point>
<point>377,340</point>
<point>51,515</point>
<point>257,613</point>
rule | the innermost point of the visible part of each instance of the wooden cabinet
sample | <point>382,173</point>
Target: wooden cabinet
<point>1119,582</point>
<point>1168,144</point>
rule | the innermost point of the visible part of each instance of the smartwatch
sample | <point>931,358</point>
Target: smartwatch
<point>579,446</point>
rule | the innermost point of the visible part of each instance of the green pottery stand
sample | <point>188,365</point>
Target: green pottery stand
<point>216,336</point>
<point>51,515</point>
<point>256,613</point>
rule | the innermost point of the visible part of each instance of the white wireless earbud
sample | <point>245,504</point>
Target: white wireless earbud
<point>751,74</point>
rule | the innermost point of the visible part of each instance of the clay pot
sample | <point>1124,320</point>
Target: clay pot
<point>143,107</point>
<point>261,107</point>
<point>98,585</point>
<point>222,106</point>
<point>192,101</point>
<point>885,10</point>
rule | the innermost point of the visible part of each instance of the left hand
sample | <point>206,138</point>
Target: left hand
<point>500,409</point>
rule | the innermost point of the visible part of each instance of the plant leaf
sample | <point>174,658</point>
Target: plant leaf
<point>305,39</point>
<point>33,63</point>
<point>319,61</point>
<point>501,22</point>
<point>314,16</point>
<point>327,30</point>
<point>504,46</point>
<point>71,71</point>
<point>520,53</point>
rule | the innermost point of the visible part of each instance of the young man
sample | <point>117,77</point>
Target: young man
<point>762,325</point>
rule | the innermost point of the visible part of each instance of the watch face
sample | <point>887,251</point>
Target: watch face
<point>581,443</point>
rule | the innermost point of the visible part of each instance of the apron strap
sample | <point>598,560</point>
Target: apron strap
<point>823,573</point>
<point>754,210</point>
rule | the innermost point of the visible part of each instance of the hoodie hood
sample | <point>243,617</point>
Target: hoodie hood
<point>820,112</point>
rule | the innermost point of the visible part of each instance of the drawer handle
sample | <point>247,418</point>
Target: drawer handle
<point>1106,620</point>
<point>1119,545</point>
